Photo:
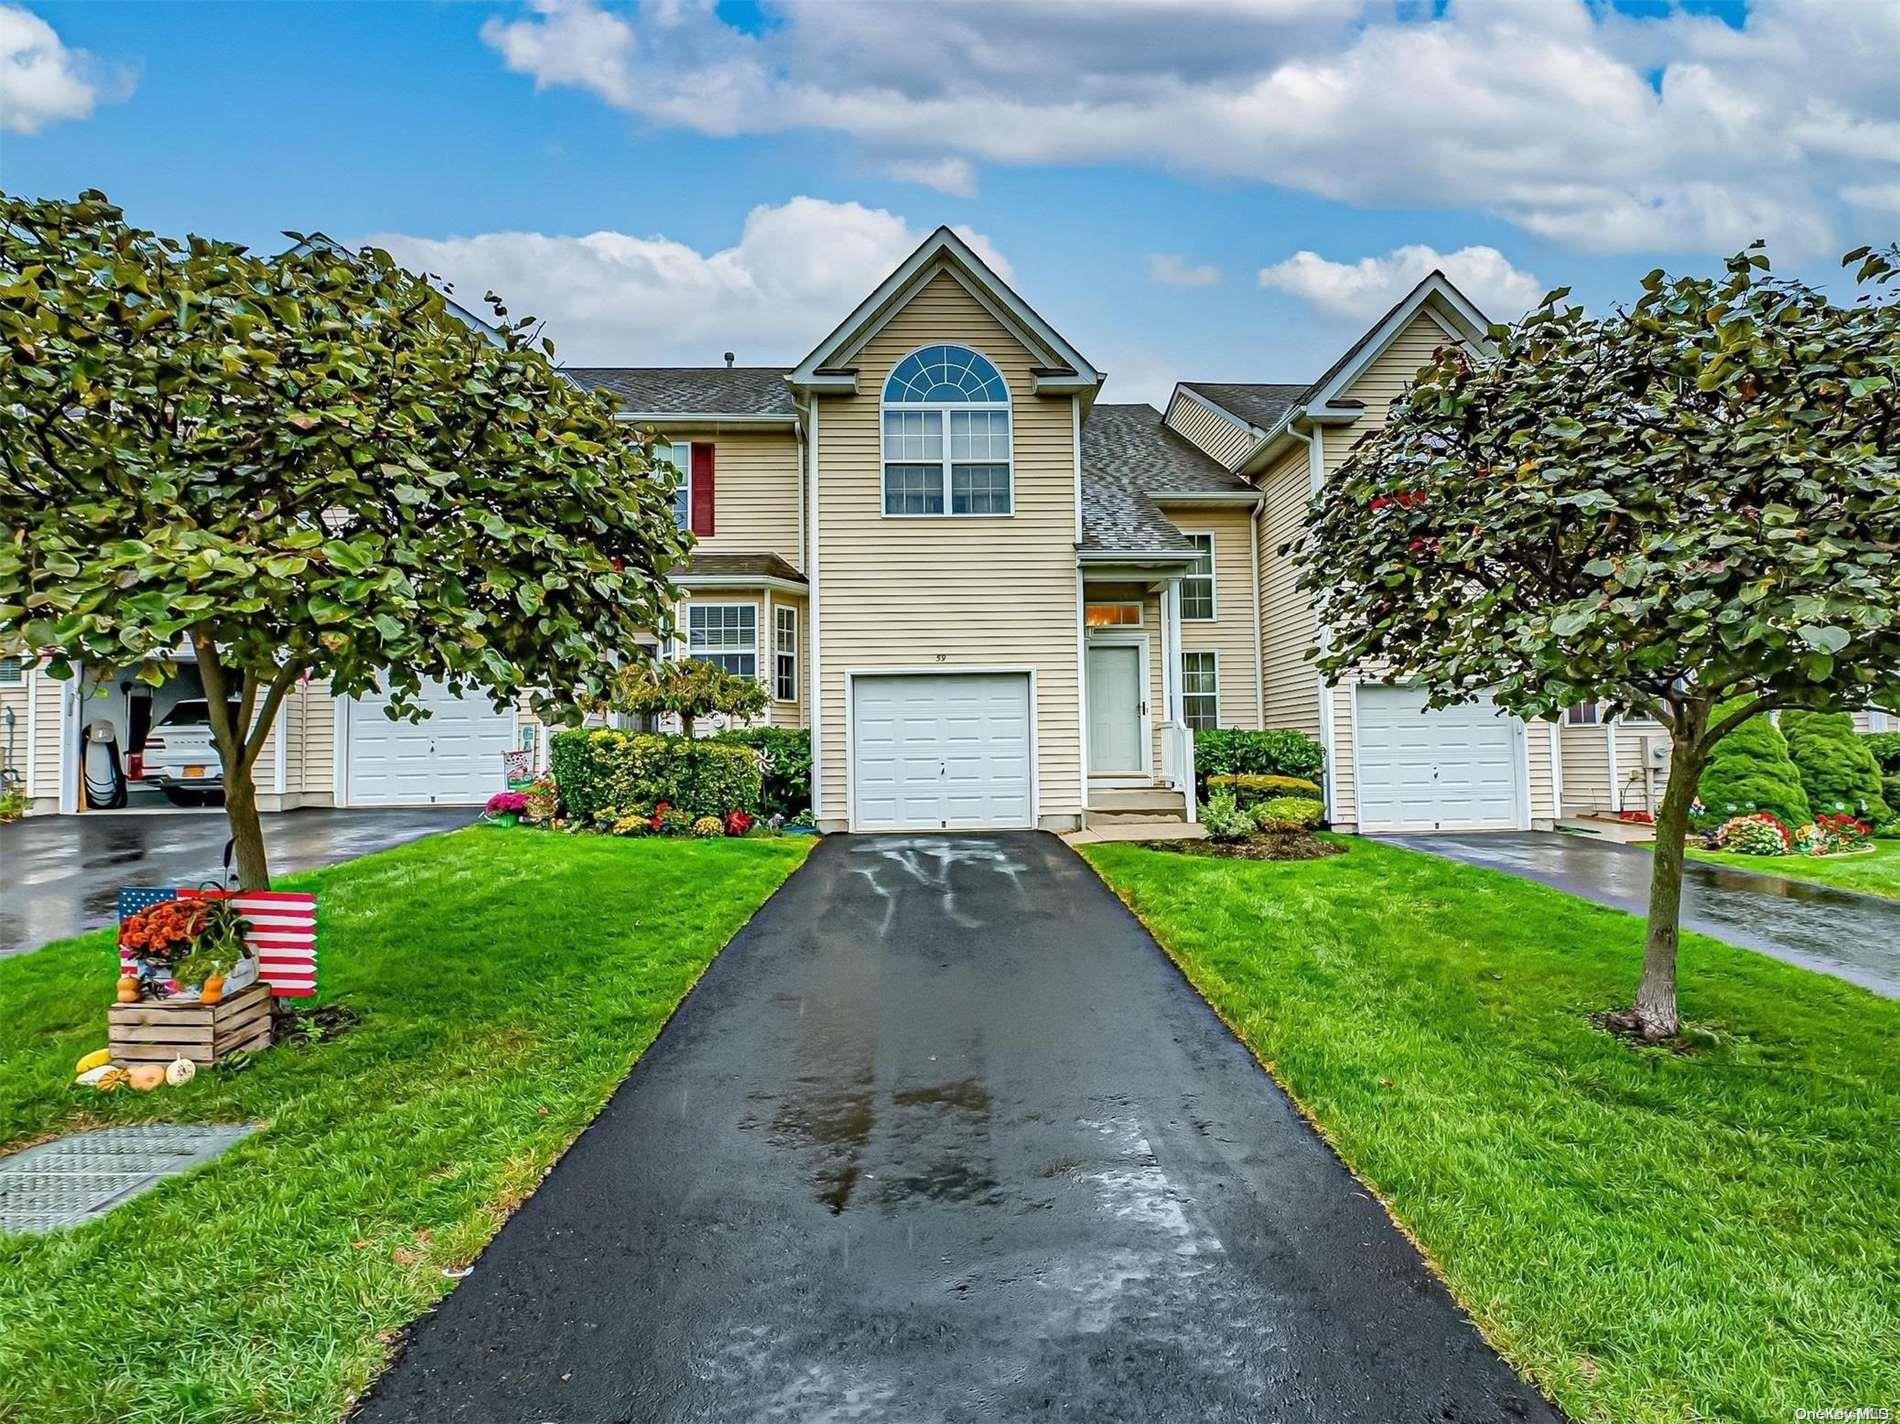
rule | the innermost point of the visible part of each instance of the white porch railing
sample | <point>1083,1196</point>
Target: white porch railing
<point>1177,762</point>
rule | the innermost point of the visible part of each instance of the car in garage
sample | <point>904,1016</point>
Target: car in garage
<point>180,758</point>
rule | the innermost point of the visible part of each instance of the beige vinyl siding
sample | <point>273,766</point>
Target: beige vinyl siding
<point>1231,634</point>
<point>15,698</point>
<point>1342,787</point>
<point>314,768</point>
<point>1223,438</point>
<point>1638,789</point>
<point>755,495</point>
<point>948,593</point>
<point>1541,766</point>
<point>1586,757</point>
<point>49,765</point>
<point>788,714</point>
<point>1290,684</point>
<point>1382,382</point>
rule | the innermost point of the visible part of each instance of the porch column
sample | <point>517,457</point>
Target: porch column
<point>1171,650</point>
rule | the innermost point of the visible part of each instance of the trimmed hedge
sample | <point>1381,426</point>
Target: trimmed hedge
<point>1227,751</point>
<point>1288,813</point>
<point>1750,771</point>
<point>1838,770</point>
<point>785,755</point>
<point>605,775</point>
<point>1249,789</point>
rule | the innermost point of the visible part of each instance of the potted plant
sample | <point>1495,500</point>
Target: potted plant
<point>505,807</point>
<point>159,937</point>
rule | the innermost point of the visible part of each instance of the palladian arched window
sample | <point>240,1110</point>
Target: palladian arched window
<point>946,435</point>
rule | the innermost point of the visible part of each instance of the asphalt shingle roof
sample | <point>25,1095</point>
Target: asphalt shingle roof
<point>1259,405</point>
<point>692,390</point>
<point>1129,460</point>
<point>739,566</point>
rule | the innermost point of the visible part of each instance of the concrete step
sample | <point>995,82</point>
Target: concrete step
<point>1134,798</point>
<point>1095,816</point>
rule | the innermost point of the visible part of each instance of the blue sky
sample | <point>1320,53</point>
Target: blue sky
<point>1211,189</point>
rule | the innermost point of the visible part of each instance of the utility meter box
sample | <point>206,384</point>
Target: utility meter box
<point>1656,753</point>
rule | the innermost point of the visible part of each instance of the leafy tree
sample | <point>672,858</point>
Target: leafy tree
<point>1837,768</point>
<point>1686,505</point>
<point>1749,770</point>
<point>689,688</point>
<point>302,467</point>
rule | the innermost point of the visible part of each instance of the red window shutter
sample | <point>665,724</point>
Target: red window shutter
<point>702,504</point>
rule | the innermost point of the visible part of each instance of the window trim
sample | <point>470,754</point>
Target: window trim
<point>1213,653</point>
<point>12,671</point>
<point>686,480</point>
<point>1595,719</point>
<point>1212,576</point>
<point>695,605</point>
<point>944,410</point>
<point>780,611</point>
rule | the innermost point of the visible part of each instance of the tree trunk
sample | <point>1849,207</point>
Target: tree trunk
<point>247,831</point>
<point>1655,1010</point>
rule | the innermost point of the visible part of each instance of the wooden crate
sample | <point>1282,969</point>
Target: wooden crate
<point>159,1030</point>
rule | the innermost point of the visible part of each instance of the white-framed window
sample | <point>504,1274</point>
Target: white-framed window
<point>1197,586</point>
<point>785,653</point>
<point>946,435</point>
<point>725,635</point>
<point>12,670</point>
<point>679,454</point>
<point>1200,690</point>
<point>1111,615</point>
<point>1584,714</point>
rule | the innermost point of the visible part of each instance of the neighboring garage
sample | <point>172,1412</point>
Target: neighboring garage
<point>941,751</point>
<point>454,758</point>
<point>1458,769</point>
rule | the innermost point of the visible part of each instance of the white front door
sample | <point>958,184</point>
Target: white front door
<point>940,751</point>
<point>1451,770</point>
<point>451,758</point>
<point>1115,707</point>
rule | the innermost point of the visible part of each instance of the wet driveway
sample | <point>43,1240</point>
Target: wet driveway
<point>60,875</point>
<point>1853,937</point>
<point>942,1136</point>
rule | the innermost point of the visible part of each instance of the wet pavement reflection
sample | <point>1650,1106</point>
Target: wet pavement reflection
<point>60,875</point>
<point>1853,937</point>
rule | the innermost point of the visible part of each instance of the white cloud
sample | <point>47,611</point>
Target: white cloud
<point>1172,270</point>
<point>41,81</point>
<point>1366,288</point>
<point>1568,119</point>
<point>955,176</point>
<point>1880,197</point>
<point>612,298</point>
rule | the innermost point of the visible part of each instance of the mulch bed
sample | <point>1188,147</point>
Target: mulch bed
<point>1292,847</point>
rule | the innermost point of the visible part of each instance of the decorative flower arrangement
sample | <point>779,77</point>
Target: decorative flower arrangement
<point>708,827</point>
<point>1757,834</point>
<point>1834,834</point>
<point>737,823</point>
<point>1637,818</point>
<point>194,942</point>
<point>161,935</point>
<point>541,801</point>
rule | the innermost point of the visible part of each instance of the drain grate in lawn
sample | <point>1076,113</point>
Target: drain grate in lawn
<point>85,1175</point>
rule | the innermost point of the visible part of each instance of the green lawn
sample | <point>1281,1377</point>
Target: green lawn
<point>1651,1236</point>
<point>1876,874</point>
<point>506,981</point>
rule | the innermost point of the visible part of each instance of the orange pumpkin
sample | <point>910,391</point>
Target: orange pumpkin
<point>212,991</point>
<point>128,990</point>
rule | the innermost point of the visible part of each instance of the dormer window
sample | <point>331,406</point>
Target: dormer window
<point>946,435</point>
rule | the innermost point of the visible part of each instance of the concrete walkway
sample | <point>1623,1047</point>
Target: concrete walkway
<point>942,1136</point>
<point>60,875</point>
<point>1851,936</point>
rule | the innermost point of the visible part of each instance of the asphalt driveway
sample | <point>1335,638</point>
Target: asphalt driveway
<point>60,875</point>
<point>942,1136</point>
<point>1853,937</point>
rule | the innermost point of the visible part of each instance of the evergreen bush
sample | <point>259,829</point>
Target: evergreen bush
<point>606,776</point>
<point>1750,771</point>
<point>785,760</point>
<point>1226,751</point>
<point>1837,767</point>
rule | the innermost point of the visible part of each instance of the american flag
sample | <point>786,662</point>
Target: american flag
<point>283,932</point>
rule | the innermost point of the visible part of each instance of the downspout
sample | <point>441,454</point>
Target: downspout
<point>1259,646</point>
<point>817,640</point>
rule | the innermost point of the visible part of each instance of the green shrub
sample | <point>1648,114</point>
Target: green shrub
<point>1837,767</point>
<point>1750,771</point>
<point>709,827</point>
<point>606,776</point>
<point>1890,793</point>
<point>1886,749</point>
<point>1250,790</point>
<point>1227,751</point>
<point>1288,813</point>
<point>785,754</point>
<point>1224,819</point>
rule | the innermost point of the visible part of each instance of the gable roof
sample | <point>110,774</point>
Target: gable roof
<point>698,391</point>
<point>1260,406</point>
<point>1322,399</point>
<point>1129,461</point>
<point>828,366</point>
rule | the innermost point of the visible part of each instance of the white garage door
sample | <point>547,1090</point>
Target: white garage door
<point>1451,770</point>
<point>941,752</point>
<point>452,758</point>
